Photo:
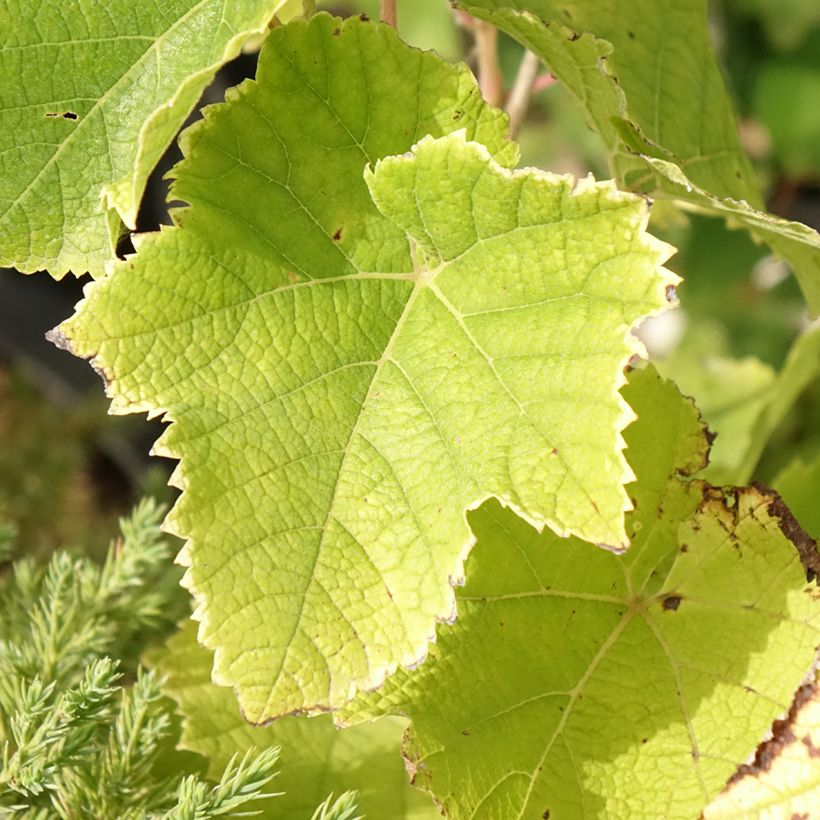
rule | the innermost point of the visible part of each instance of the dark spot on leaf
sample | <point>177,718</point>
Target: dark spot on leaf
<point>737,174</point>
<point>66,115</point>
<point>554,451</point>
<point>631,35</point>
<point>337,235</point>
<point>645,740</point>
<point>364,18</point>
<point>813,750</point>
<point>671,602</point>
<point>546,814</point>
<point>684,548</point>
<point>574,36</point>
<point>457,115</point>
<point>634,361</point>
<point>336,32</point>
<point>465,732</point>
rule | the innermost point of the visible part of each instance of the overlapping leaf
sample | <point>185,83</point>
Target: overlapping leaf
<point>316,758</point>
<point>595,685</point>
<point>93,93</point>
<point>743,400</point>
<point>346,378</point>
<point>648,81</point>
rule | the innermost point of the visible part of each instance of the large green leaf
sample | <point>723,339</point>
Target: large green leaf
<point>347,378</point>
<point>578,684</point>
<point>315,759</point>
<point>646,76</point>
<point>93,94</point>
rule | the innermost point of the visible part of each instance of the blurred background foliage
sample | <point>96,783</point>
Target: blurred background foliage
<point>67,470</point>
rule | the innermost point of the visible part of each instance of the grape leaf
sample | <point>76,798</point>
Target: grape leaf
<point>346,378</point>
<point>645,75</point>
<point>648,61</point>
<point>578,684</point>
<point>93,94</point>
<point>783,780</point>
<point>316,758</point>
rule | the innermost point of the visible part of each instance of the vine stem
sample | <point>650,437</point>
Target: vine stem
<point>489,69</point>
<point>519,99</point>
<point>387,12</point>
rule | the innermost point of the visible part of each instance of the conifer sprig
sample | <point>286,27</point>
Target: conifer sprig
<point>74,742</point>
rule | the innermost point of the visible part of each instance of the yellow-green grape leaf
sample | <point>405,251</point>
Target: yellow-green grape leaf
<point>315,758</point>
<point>353,352</point>
<point>783,780</point>
<point>645,75</point>
<point>578,684</point>
<point>93,94</point>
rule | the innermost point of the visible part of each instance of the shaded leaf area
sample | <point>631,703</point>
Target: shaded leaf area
<point>649,83</point>
<point>650,63</point>
<point>316,758</point>
<point>731,293</point>
<point>93,95</point>
<point>783,780</point>
<point>742,400</point>
<point>576,684</point>
<point>799,484</point>
<point>352,357</point>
